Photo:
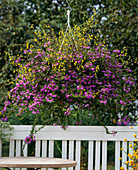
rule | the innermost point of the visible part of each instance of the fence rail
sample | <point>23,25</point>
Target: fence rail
<point>72,139</point>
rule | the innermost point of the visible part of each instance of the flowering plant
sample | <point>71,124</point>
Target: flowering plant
<point>123,121</point>
<point>82,74</point>
<point>30,138</point>
<point>133,158</point>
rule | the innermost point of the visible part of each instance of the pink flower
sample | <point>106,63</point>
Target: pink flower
<point>4,119</point>
<point>119,122</point>
<point>54,124</point>
<point>105,101</point>
<point>116,51</point>
<point>114,133</point>
<point>30,139</point>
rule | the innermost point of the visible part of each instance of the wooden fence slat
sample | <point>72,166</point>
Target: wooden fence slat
<point>130,148</point>
<point>11,148</point>
<point>130,151</point>
<point>51,150</point>
<point>37,148</point>
<point>18,150</point>
<point>90,155</point>
<point>97,156</point>
<point>124,155</point>
<point>78,154</point>
<point>25,149</point>
<point>71,151</point>
<point>64,151</point>
<point>44,148</point>
<point>117,155</point>
<point>104,155</point>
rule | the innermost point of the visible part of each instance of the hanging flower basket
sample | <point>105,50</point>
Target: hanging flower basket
<point>71,72</point>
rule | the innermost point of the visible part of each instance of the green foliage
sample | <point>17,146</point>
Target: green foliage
<point>119,27</point>
<point>5,129</point>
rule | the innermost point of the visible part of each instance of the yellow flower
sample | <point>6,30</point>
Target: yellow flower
<point>129,155</point>
<point>122,149</point>
<point>134,135</point>
<point>131,127</point>
<point>122,168</point>
<point>127,162</point>
<point>136,140</point>
<point>120,158</point>
<point>130,145</point>
<point>125,139</point>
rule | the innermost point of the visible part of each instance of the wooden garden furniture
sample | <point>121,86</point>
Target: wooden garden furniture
<point>35,162</point>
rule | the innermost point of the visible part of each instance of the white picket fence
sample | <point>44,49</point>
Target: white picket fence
<point>72,138</point>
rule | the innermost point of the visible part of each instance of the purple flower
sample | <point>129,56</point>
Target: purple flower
<point>54,124</point>
<point>105,101</point>
<point>34,112</point>
<point>67,112</point>
<point>116,51</point>
<point>114,133</point>
<point>4,119</point>
<point>129,70</point>
<point>16,61</point>
<point>119,122</point>
<point>87,105</point>
<point>128,89</point>
<point>123,103</point>
<point>30,139</point>
<point>125,120</point>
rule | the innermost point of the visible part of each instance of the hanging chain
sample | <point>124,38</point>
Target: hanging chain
<point>68,27</point>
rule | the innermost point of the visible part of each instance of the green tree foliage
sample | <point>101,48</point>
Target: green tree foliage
<point>117,21</point>
<point>5,131</point>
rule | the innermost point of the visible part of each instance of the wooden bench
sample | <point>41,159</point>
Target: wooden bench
<point>71,139</point>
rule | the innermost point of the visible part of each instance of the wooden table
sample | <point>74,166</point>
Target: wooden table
<point>35,162</point>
